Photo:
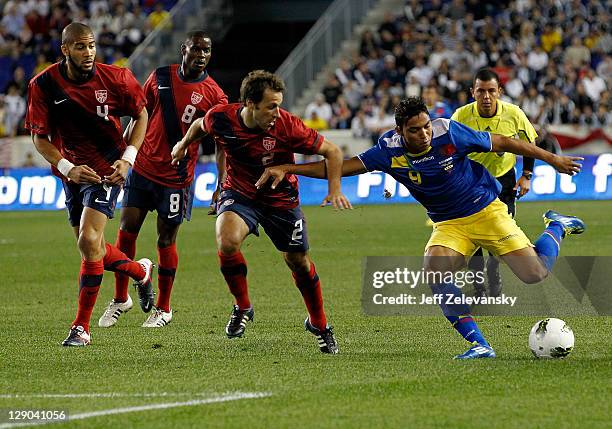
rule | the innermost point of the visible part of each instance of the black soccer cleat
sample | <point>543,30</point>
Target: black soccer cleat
<point>144,287</point>
<point>238,320</point>
<point>325,339</point>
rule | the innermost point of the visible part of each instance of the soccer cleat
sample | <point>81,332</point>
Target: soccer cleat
<point>493,276</point>
<point>325,339</point>
<point>570,224</point>
<point>144,287</point>
<point>113,311</point>
<point>77,337</point>
<point>238,320</point>
<point>477,351</point>
<point>158,318</point>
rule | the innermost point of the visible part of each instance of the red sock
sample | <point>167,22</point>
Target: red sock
<point>168,261</point>
<point>310,288</point>
<point>90,279</point>
<point>234,269</point>
<point>126,242</point>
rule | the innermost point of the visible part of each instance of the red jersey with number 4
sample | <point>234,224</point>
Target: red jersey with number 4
<point>250,150</point>
<point>83,118</point>
<point>173,104</point>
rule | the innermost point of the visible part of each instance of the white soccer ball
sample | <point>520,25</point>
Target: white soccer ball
<point>551,338</point>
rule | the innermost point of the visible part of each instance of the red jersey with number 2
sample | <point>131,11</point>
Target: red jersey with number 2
<point>250,150</point>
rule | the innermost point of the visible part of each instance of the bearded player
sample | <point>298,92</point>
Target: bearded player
<point>254,134</point>
<point>74,108</point>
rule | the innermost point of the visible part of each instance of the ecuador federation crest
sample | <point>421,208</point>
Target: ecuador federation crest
<point>196,98</point>
<point>269,143</point>
<point>101,95</point>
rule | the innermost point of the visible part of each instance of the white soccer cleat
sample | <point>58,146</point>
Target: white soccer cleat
<point>113,311</point>
<point>158,318</point>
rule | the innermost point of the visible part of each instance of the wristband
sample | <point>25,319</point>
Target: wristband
<point>64,166</point>
<point>129,154</point>
<point>527,175</point>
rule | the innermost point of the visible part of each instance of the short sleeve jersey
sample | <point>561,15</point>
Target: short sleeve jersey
<point>173,104</point>
<point>442,179</point>
<point>509,121</point>
<point>249,151</point>
<point>83,118</point>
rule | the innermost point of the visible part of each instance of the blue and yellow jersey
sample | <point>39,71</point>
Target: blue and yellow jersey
<point>442,178</point>
<point>509,121</point>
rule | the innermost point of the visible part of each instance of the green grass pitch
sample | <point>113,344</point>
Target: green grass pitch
<point>391,372</point>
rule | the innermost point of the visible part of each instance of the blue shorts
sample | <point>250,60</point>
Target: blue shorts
<point>286,228</point>
<point>173,205</point>
<point>100,197</point>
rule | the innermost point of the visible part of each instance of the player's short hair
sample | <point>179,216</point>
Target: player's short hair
<point>407,108</point>
<point>256,82</point>
<point>194,35</point>
<point>485,74</point>
<point>73,31</point>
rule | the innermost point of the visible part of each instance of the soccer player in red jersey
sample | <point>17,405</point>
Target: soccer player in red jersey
<point>176,95</point>
<point>254,134</point>
<point>73,114</point>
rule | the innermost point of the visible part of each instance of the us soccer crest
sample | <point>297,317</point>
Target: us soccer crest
<point>101,95</point>
<point>269,143</point>
<point>196,98</point>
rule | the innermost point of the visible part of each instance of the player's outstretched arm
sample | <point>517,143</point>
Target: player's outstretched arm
<point>79,174</point>
<point>194,133</point>
<point>333,161</point>
<point>563,164</point>
<point>135,133</point>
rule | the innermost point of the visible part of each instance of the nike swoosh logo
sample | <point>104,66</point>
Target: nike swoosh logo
<point>101,201</point>
<point>60,101</point>
<point>174,215</point>
<point>162,87</point>
<point>230,137</point>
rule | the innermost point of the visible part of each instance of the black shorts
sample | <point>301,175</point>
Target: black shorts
<point>508,194</point>
<point>286,228</point>
<point>100,197</point>
<point>173,205</point>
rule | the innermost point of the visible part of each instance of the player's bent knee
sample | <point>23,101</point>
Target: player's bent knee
<point>297,262</point>
<point>533,277</point>
<point>228,245</point>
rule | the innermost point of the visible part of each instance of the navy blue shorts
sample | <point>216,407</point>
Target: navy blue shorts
<point>173,205</point>
<point>286,228</point>
<point>100,197</point>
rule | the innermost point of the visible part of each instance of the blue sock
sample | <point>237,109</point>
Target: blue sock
<point>548,245</point>
<point>459,314</point>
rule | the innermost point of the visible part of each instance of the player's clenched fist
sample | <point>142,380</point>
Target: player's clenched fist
<point>178,152</point>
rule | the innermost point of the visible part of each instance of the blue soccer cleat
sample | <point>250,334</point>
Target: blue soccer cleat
<point>570,224</point>
<point>477,351</point>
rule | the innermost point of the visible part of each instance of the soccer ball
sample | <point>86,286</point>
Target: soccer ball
<point>551,338</point>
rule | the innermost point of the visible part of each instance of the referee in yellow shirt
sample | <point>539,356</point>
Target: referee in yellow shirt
<point>489,113</point>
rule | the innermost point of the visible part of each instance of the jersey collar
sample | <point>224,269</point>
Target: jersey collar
<point>200,78</point>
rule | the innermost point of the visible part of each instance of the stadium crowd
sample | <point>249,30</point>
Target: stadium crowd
<point>30,33</point>
<point>553,58</point>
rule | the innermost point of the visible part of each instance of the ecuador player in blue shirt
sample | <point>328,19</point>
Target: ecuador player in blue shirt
<point>430,159</point>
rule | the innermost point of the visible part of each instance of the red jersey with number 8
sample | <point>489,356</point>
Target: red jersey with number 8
<point>173,104</point>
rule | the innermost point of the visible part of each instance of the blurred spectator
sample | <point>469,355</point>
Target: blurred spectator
<point>577,54</point>
<point>322,109</point>
<point>315,122</point>
<point>550,38</point>
<point>332,89</point>
<point>437,108</point>
<point>14,106</point>
<point>359,129</point>
<point>158,16</point>
<point>29,160</point>
<point>341,114</point>
<point>593,85</point>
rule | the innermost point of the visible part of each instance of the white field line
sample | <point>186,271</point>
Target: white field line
<point>98,395</point>
<point>223,398</point>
